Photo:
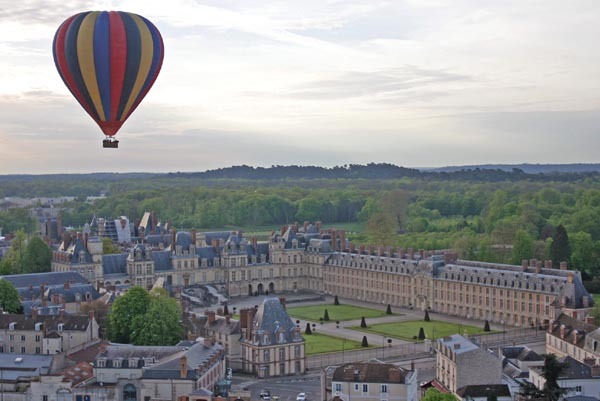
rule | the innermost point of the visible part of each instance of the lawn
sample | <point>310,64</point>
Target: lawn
<point>336,312</point>
<point>596,299</point>
<point>434,329</point>
<point>317,343</point>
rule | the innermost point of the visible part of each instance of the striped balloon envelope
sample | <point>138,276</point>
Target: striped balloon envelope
<point>109,61</point>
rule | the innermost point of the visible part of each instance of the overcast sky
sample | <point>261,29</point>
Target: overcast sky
<point>324,82</point>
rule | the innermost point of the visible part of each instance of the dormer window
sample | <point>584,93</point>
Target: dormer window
<point>61,327</point>
<point>38,326</point>
<point>101,363</point>
<point>133,362</point>
<point>11,326</point>
<point>117,363</point>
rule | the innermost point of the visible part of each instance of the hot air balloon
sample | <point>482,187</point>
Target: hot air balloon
<point>109,61</point>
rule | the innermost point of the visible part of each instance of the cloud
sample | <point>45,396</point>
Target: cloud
<point>388,84</point>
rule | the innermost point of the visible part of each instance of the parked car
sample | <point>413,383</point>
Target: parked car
<point>265,395</point>
<point>301,397</point>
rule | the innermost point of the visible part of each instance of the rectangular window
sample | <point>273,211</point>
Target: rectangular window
<point>338,387</point>
<point>22,338</point>
<point>355,386</point>
<point>38,350</point>
<point>384,388</point>
<point>22,350</point>
<point>365,388</point>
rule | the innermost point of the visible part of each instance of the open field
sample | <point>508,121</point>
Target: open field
<point>318,343</point>
<point>410,329</point>
<point>336,312</point>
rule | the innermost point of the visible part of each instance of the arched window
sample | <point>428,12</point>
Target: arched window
<point>129,393</point>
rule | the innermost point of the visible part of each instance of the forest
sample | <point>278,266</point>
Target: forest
<point>499,216</point>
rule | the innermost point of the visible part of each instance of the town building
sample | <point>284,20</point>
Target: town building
<point>374,381</point>
<point>130,373</point>
<point>19,372</point>
<point>226,331</point>
<point>271,344</point>
<point>567,336</point>
<point>461,363</point>
<point>578,378</point>
<point>47,335</point>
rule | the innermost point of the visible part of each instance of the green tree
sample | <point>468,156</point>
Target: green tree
<point>37,257</point>
<point>108,247</point>
<point>582,256</point>
<point>160,324</point>
<point>9,298</point>
<point>560,250</point>
<point>434,395</point>
<point>522,246</point>
<point>551,372</point>
<point>126,311</point>
<point>14,256</point>
<point>308,330</point>
<point>421,335</point>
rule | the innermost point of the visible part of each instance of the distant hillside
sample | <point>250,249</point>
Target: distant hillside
<point>526,168</point>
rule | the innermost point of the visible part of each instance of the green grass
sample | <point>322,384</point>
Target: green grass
<point>318,343</point>
<point>336,312</point>
<point>434,329</point>
<point>596,299</point>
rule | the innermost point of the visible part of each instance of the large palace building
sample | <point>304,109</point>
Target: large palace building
<point>312,259</point>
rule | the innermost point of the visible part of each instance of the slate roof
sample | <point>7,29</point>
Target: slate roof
<point>197,355</point>
<point>22,322</point>
<point>75,292</point>
<point>49,309</point>
<point>271,319</point>
<point>371,372</point>
<point>521,353</point>
<point>455,340</point>
<point>162,260</point>
<point>125,352</point>
<point>36,279</point>
<point>484,390</point>
<point>114,263</point>
<point>23,366</point>
<point>220,325</point>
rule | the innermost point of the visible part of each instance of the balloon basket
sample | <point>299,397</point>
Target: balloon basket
<point>110,143</point>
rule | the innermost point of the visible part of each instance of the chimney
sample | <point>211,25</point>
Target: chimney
<point>183,367</point>
<point>193,234</point>
<point>548,264</point>
<point>282,301</point>
<point>61,314</point>
<point>318,225</point>
<point>563,266</point>
<point>153,222</point>
<point>532,262</point>
<point>457,346</point>
<point>85,240</point>
<point>67,285</point>
<point>91,315</point>
<point>215,244</point>
<point>411,253</point>
<point>173,233</point>
<point>538,267</point>
<point>596,371</point>
<point>211,317</point>
<point>305,226</point>
<point>380,251</point>
<point>590,320</point>
<point>283,229</point>
<point>219,311</point>
<point>352,247</point>
<point>334,245</point>
<point>34,312</point>
<point>44,302</point>
<point>55,298</point>
<point>570,277</point>
<point>400,253</point>
<point>563,331</point>
<point>586,301</point>
<point>422,253</point>
<point>361,249</point>
<point>243,319</point>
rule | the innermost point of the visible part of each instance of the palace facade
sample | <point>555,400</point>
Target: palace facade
<point>309,258</point>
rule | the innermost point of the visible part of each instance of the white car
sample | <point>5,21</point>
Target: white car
<point>301,397</point>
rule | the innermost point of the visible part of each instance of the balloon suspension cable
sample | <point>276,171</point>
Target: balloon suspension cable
<point>110,142</point>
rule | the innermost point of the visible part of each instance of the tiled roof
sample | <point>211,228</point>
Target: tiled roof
<point>78,373</point>
<point>371,372</point>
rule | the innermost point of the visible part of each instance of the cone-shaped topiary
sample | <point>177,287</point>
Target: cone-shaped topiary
<point>427,319</point>
<point>363,323</point>
<point>364,342</point>
<point>421,335</point>
<point>388,311</point>
<point>486,326</point>
<point>226,311</point>
<point>308,330</point>
<point>336,301</point>
<point>326,316</point>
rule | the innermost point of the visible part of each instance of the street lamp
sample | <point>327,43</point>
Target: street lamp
<point>503,330</point>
